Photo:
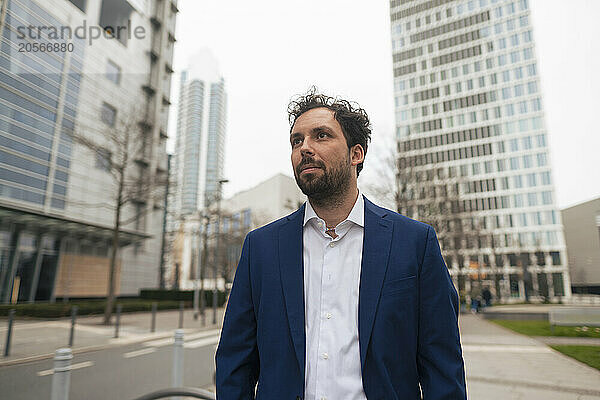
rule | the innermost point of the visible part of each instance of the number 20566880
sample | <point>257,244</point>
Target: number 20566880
<point>46,47</point>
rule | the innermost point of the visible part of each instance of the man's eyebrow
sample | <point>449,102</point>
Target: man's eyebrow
<point>322,128</point>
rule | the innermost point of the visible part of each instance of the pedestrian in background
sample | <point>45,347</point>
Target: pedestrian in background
<point>487,296</point>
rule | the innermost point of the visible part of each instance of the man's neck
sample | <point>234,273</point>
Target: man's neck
<point>335,210</point>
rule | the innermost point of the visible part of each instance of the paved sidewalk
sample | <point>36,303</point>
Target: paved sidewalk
<point>503,365</point>
<point>500,364</point>
<point>35,339</point>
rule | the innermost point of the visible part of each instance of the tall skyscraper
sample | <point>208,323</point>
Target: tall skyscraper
<point>76,77</point>
<point>198,163</point>
<point>473,153</point>
<point>200,143</point>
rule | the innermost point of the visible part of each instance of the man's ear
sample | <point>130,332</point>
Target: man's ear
<point>357,154</point>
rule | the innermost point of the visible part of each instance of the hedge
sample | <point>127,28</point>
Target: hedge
<point>85,307</point>
<point>185,295</point>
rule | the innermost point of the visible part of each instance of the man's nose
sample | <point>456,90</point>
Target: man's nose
<point>306,148</point>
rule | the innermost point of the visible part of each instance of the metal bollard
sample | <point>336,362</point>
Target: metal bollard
<point>11,317</point>
<point>178,359</point>
<point>74,310</point>
<point>180,326</point>
<point>153,324</point>
<point>119,308</point>
<point>61,379</point>
<point>215,299</point>
<point>196,304</point>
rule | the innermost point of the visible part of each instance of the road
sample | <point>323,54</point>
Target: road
<point>124,372</point>
<point>500,365</point>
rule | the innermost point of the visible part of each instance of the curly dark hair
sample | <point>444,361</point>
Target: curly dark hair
<point>351,117</point>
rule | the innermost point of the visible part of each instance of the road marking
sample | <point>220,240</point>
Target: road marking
<point>141,352</point>
<point>506,348</point>
<point>201,342</point>
<point>74,366</point>
<point>168,341</point>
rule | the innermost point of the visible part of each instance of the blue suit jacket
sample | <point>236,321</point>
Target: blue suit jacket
<point>407,315</point>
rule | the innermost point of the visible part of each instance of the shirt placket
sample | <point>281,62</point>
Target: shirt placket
<point>326,328</point>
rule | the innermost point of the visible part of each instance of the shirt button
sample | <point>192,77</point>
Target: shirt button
<point>332,244</point>
<point>325,356</point>
<point>323,398</point>
<point>328,315</point>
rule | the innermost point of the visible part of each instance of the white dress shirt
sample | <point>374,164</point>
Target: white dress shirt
<point>331,287</point>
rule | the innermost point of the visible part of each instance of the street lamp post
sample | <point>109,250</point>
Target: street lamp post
<point>216,260</point>
<point>198,269</point>
<point>202,257</point>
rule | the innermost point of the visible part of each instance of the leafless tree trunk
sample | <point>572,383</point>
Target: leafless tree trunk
<point>433,195</point>
<point>120,148</point>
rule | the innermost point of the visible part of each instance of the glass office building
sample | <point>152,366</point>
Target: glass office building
<point>473,151</point>
<point>55,84</point>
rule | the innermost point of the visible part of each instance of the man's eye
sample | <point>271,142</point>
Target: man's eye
<point>296,142</point>
<point>322,135</point>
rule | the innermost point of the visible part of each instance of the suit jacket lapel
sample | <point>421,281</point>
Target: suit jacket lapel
<point>376,250</point>
<point>292,280</point>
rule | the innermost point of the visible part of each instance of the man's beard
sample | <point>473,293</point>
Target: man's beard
<point>330,186</point>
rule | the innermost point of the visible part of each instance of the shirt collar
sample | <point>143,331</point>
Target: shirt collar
<point>357,214</point>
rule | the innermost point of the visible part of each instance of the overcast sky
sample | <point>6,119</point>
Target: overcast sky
<point>269,51</point>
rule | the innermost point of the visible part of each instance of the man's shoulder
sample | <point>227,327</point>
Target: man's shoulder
<point>402,221</point>
<point>273,227</point>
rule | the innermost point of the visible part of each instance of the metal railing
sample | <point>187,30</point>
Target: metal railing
<point>189,392</point>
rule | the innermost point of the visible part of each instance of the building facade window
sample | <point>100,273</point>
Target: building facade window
<point>545,178</point>
<point>103,159</point>
<point>542,160</point>
<point>108,114</point>
<point>547,198</point>
<point>113,72</point>
<point>518,181</point>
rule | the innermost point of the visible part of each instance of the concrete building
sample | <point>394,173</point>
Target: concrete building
<point>241,213</point>
<point>269,200</point>
<point>103,74</point>
<point>582,232</point>
<point>473,146</point>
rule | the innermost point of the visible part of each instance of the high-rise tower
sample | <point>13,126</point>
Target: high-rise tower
<point>199,162</point>
<point>473,153</point>
<point>200,144</point>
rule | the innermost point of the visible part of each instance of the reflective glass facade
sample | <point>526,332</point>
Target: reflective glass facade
<point>38,102</point>
<point>215,154</point>
<point>200,144</point>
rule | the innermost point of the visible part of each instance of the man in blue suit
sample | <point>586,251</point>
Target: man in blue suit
<point>342,299</point>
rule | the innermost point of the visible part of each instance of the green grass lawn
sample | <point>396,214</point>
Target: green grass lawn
<point>542,328</point>
<point>589,355</point>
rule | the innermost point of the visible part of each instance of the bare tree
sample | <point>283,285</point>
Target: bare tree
<point>122,148</point>
<point>382,176</point>
<point>438,196</point>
